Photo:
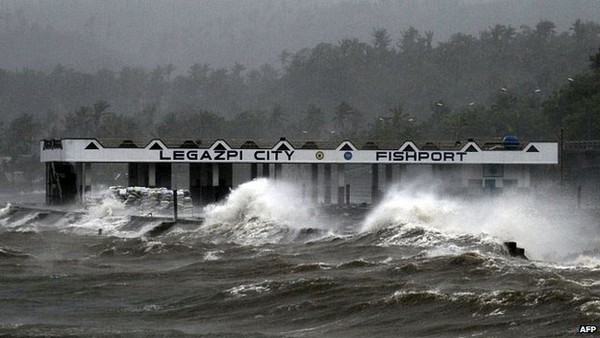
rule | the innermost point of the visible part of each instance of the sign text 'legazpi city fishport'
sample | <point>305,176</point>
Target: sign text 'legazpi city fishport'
<point>256,155</point>
<point>93,151</point>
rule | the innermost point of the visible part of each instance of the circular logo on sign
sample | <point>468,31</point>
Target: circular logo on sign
<point>347,156</point>
<point>319,155</point>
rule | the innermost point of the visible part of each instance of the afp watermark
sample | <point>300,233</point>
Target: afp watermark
<point>587,329</point>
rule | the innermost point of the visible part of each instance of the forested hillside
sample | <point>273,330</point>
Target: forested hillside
<point>527,81</point>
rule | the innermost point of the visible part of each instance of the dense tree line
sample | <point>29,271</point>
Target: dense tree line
<point>526,81</point>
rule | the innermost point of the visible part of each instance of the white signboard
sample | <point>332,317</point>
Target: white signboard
<point>86,150</point>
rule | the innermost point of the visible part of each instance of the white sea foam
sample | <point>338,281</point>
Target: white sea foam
<point>5,211</point>
<point>213,255</point>
<point>591,309</point>
<point>111,217</point>
<point>540,226</point>
<point>259,211</point>
<point>249,289</point>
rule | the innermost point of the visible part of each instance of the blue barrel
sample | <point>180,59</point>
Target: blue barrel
<point>510,142</point>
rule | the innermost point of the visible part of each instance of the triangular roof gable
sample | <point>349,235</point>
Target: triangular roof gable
<point>93,145</point>
<point>409,146</point>
<point>220,145</point>
<point>471,147</point>
<point>346,146</point>
<point>156,145</point>
<point>282,145</point>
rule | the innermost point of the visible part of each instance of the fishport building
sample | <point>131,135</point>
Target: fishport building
<point>211,168</point>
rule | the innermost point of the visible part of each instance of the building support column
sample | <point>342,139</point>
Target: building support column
<point>84,179</point>
<point>253,171</point>
<point>389,175</point>
<point>152,175</point>
<point>341,185</point>
<point>223,181</point>
<point>278,171</point>
<point>215,175</point>
<point>207,190</point>
<point>327,183</point>
<point>266,170</point>
<point>374,183</point>
<point>314,169</point>
<point>199,181</point>
<point>88,177</point>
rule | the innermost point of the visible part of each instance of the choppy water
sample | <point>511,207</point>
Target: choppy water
<point>266,264</point>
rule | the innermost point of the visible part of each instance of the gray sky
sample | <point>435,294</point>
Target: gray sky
<point>88,35</point>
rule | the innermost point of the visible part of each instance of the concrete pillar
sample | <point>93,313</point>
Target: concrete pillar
<point>389,174</point>
<point>347,194</point>
<point>152,174</point>
<point>253,171</point>
<point>314,169</point>
<point>266,170</point>
<point>207,189</point>
<point>278,171</point>
<point>215,174</point>
<point>374,183</point>
<point>79,181</point>
<point>200,182</point>
<point>341,185</point>
<point>83,173</point>
<point>224,180</point>
<point>327,183</point>
<point>88,177</point>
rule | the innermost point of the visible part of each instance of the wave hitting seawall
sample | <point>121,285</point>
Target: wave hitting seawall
<point>265,263</point>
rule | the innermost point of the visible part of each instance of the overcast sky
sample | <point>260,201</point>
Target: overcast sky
<point>88,35</point>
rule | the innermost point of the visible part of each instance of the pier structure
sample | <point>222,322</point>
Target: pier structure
<point>214,167</point>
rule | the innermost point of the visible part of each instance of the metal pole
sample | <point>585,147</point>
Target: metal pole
<point>175,204</point>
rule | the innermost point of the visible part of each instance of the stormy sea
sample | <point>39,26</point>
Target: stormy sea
<point>267,263</point>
